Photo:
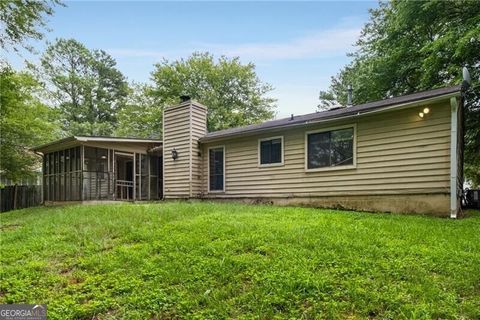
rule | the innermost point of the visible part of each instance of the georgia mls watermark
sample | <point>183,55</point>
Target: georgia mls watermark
<point>23,311</point>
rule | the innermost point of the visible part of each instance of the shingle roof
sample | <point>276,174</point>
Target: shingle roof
<point>335,113</point>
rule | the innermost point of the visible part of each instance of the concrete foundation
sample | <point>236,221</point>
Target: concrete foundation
<point>427,204</point>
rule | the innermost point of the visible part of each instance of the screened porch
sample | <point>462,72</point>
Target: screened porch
<point>82,173</point>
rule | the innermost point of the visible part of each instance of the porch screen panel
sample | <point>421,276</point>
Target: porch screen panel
<point>77,177</point>
<point>46,182</point>
<point>57,175</point>
<point>52,177</point>
<point>144,174</point>
<point>68,182</point>
<point>62,177</point>
<point>141,176</point>
<point>138,187</point>
<point>102,176</point>
<point>155,177</point>
<point>96,178</point>
<point>216,170</point>
<point>61,159</point>
<point>89,182</point>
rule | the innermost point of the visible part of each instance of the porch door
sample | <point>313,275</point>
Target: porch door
<point>124,177</point>
<point>216,169</point>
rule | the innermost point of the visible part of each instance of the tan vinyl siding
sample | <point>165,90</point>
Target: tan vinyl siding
<point>198,130</point>
<point>176,134</point>
<point>183,126</point>
<point>396,153</point>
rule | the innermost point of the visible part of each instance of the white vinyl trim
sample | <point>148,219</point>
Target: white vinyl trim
<point>453,158</point>
<point>190,150</point>
<point>163,156</point>
<point>127,154</point>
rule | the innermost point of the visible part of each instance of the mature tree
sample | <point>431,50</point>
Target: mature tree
<point>22,20</point>
<point>24,122</point>
<point>409,46</point>
<point>232,91</point>
<point>85,84</point>
<point>142,114</point>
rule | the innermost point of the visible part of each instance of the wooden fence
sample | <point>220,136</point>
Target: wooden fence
<point>18,197</point>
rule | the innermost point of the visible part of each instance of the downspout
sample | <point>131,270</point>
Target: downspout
<point>454,145</point>
<point>453,157</point>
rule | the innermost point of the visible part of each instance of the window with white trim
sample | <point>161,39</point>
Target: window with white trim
<point>332,148</point>
<point>271,151</point>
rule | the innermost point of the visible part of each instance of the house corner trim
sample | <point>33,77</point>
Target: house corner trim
<point>453,157</point>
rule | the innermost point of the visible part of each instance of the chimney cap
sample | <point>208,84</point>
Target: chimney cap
<point>184,98</point>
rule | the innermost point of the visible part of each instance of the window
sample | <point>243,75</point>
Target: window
<point>216,169</point>
<point>334,148</point>
<point>270,151</point>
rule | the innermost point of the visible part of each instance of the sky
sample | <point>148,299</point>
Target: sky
<point>296,46</point>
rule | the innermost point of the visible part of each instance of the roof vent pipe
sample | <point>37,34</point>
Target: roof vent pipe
<point>349,95</point>
<point>184,98</point>
<point>291,116</point>
<point>467,80</point>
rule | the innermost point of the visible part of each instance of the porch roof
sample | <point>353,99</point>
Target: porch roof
<point>78,140</point>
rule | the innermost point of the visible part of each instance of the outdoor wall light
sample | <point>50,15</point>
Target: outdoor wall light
<point>424,112</point>
<point>174,154</point>
<point>103,157</point>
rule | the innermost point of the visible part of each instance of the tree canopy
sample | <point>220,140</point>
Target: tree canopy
<point>410,46</point>
<point>142,114</point>
<point>24,122</point>
<point>22,20</point>
<point>85,85</point>
<point>232,91</point>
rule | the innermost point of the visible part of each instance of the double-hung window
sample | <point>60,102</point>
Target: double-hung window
<point>331,149</point>
<point>270,151</point>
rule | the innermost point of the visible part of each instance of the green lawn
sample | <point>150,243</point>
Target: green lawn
<point>217,261</point>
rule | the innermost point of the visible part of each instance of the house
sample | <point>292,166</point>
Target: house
<point>402,154</point>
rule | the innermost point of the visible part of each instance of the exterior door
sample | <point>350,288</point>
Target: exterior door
<point>216,169</point>
<point>124,176</point>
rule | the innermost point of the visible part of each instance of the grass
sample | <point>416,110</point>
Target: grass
<point>217,261</point>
